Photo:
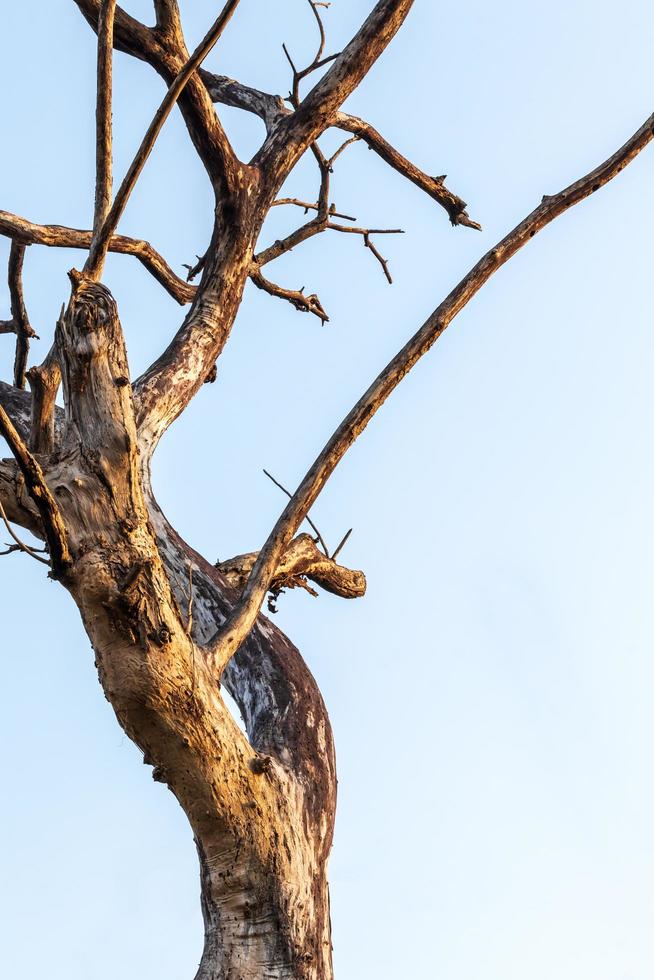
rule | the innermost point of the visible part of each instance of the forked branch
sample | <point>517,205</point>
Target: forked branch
<point>295,133</point>
<point>245,612</point>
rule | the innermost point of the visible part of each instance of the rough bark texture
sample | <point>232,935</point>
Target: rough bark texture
<point>167,628</point>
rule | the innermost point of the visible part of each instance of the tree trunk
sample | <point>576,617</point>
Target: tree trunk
<point>262,807</point>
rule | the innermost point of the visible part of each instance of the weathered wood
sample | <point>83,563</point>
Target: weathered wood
<point>166,627</point>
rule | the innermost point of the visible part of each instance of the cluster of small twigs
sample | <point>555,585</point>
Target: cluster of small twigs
<point>325,211</point>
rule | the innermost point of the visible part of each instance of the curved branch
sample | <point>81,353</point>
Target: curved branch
<point>301,558</point>
<point>434,186</point>
<point>59,236</point>
<point>305,304</point>
<point>245,612</point>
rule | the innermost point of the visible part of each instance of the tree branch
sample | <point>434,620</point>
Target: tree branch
<point>295,133</point>
<point>271,108</point>
<point>53,525</point>
<point>228,91</point>
<point>301,558</point>
<point>305,304</point>
<point>19,323</point>
<point>59,236</point>
<point>44,380</point>
<point>167,14</point>
<point>434,186</point>
<point>167,54</point>
<point>109,225</point>
<point>103,136</point>
<point>246,610</point>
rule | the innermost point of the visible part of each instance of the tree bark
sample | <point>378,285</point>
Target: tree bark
<point>261,807</point>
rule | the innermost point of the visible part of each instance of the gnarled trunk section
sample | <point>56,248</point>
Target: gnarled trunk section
<point>261,807</point>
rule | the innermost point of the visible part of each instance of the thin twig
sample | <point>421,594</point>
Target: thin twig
<point>341,545</point>
<point>312,207</point>
<point>308,519</point>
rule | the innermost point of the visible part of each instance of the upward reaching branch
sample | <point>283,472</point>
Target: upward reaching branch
<point>103,136</point>
<point>295,133</point>
<point>102,239</point>
<point>245,612</point>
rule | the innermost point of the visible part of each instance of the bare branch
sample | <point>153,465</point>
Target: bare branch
<point>100,244</point>
<point>59,236</point>
<point>53,525</point>
<point>301,558</point>
<point>434,186</point>
<point>167,54</point>
<point>103,135</point>
<point>318,61</point>
<point>271,108</point>
<point>312,207</point>
<point>244,614</point>
<point>295,133</point>
<point>44,380</point>
<point>229,92</point>
<point>19,323</point>
<point>167,14</point>
<point>305,304</point>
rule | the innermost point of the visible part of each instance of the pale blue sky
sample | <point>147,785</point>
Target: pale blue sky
<point>491,696</point>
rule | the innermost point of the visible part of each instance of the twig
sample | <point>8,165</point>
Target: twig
<point>193,270</point>
<point>312,207</point>
<point>101,241</point>
<point>305,304</point>
<point>308,519</point>
<point>341,545</point>
<point>319,61</point>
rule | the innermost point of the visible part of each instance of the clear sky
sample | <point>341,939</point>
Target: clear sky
<point>491,696</point>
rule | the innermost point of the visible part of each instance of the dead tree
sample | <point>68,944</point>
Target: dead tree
<point>167,627</point>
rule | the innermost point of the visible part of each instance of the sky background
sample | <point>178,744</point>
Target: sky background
<point>491,697</point>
